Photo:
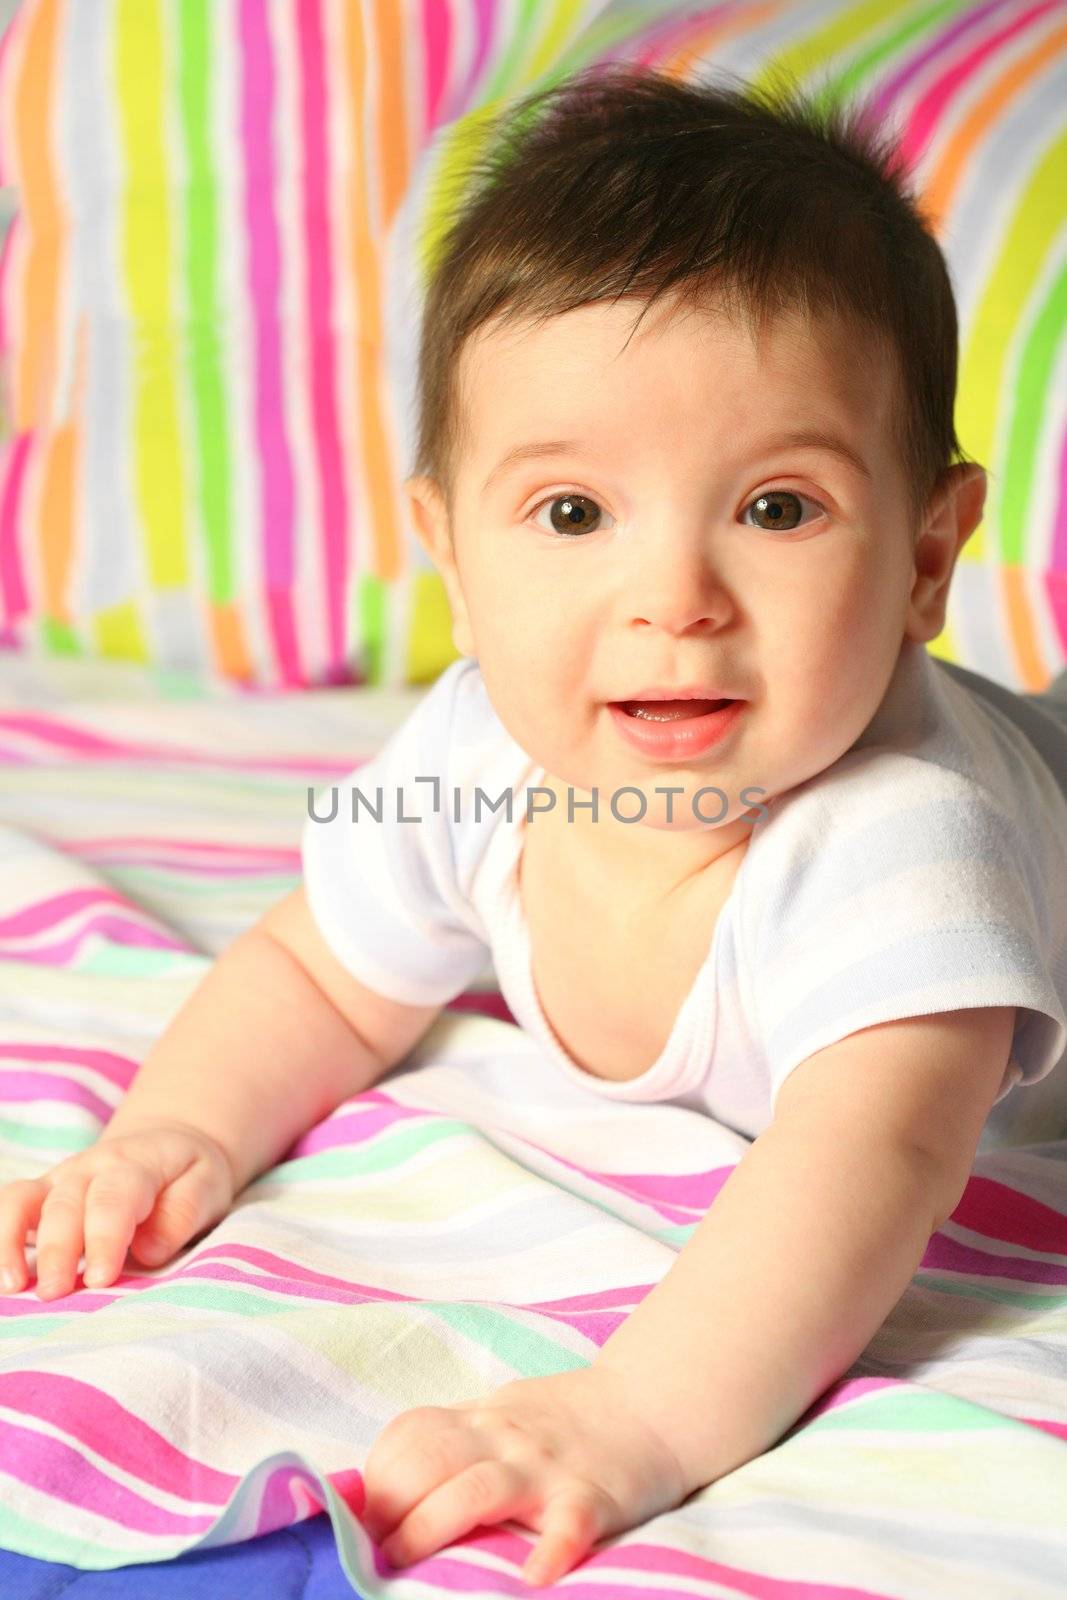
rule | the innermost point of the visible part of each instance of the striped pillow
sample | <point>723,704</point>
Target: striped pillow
<point>209,303</point>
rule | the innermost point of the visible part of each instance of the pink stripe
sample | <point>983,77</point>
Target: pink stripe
<point>930,108</point>
<point>118,930</point>
<point>275,464</point>
<point>889,91</point>
<point>669,36</point>
<point>485,1005</point>
<point>920,121</point>
<point>1009,1215</point>
<point>1056,581</point>
<point>105,852</point>
<point>66,736</point>
<point>952,1255</point>
<point>280,1506</point>
<point>660,1562</point>
<point>436,36</point>
<point>119,1069</point>
<point>118,1436</point>
<point>283,627</point>
<point>486,13</point>
<point>46,913</point>
<point>279,1275</point>
<point>1057,1429</point>
<point>50,1465</point>
<point>12,583</point>
<point>265,855</point>
<point>1059,545</point>
<point>39,1088</point>
<point>291,1274</point>
<point>314,105</point>
<point>677,1196</point>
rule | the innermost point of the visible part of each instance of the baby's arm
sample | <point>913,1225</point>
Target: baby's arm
<point>814,1236</point>
<point>275,1035</point>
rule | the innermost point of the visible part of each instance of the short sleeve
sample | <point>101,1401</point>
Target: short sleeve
<point>900,889</point>
<point>382,888</point>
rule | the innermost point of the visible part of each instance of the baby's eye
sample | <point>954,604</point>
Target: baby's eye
<point>777,506</point>
<point>575,514</point>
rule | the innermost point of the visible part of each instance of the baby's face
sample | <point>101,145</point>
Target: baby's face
<point>644,554</point>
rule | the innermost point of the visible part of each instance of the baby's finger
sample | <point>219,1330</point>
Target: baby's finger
<point>20,1206</point>
<point>60,1236</point>
<point>488,1491</point>
<point>183,1209</point>
<point>415,1452</point>
<point>570,1527</point>
<point>116,1201</point>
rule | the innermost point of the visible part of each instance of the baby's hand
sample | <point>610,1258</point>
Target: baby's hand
<point>567,1455</point>
<point>158,1186</point>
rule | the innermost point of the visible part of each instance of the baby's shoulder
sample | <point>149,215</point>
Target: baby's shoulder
<point>874,817</point>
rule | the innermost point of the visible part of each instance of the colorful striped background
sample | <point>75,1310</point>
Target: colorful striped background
<point>209,301</point>
<point>472,1219</point>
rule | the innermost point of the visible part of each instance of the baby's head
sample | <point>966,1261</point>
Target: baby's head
<point>655,296</point>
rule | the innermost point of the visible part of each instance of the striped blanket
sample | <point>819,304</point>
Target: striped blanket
<point>473,1219</point>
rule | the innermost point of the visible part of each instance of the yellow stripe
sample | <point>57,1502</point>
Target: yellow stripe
<point>1027,240</point>
<point>140,76</point>
<point>118,633</point>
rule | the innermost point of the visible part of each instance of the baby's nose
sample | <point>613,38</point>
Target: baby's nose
<point>679,589</point>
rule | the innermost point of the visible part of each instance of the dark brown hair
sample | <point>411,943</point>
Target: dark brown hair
<point>622,181</point>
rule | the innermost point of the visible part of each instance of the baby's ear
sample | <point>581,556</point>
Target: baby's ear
<point>955,510</point>
<point>429,517</point>
<point>970,482</point>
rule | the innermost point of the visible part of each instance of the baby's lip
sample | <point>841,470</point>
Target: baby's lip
<point>689,692</point>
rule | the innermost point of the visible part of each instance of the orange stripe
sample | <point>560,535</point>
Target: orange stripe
<point>58,511</point>
<point>946,176</point>
<point>680,62</point>
<point>936,200</point>
<point>391,149</point>
<point>393,152</point>
<point>228,640</point>
<point>55,519</point>
<point>1018,607</point>
<point>34,375</point>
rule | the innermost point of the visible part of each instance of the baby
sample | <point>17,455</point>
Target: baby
<point>685,465</point>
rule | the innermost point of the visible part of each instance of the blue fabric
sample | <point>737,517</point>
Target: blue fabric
<point>297,1563</point>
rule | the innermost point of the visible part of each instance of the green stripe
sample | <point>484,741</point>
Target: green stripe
<point>990,377</point>
<point>905,1410</point>
<point>28,1136</point>
<point>389,1149</point>
<point>207,329</point>
<point>878,58</point>
<point>1032,414</point>
<point>1002,1297</point>
<point>529,1350</point>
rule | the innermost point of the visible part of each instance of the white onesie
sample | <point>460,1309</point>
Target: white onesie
<point>925,870</point>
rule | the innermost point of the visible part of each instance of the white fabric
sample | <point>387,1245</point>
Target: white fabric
<point>924,871</point>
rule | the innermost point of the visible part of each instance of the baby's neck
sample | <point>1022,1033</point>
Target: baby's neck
<point>654,860</point>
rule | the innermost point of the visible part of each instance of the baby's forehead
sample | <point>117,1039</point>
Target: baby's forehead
<point>616,337</point>
<point>565,375</point>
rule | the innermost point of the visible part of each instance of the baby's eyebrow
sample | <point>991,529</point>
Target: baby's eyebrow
<point>822,439</point>
<point>535,449</point>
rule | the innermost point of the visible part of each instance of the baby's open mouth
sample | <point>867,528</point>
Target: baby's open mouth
<point>671,710</point>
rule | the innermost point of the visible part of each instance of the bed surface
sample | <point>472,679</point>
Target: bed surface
<point>474,1218</point>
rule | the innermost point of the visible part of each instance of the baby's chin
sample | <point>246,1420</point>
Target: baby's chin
<point>684,820</point>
